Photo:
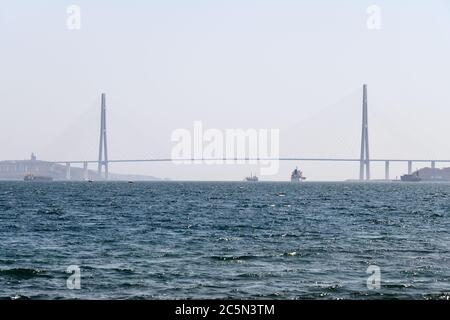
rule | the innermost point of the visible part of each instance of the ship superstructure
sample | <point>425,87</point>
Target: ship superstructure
<point>297,175</point>
<point>252,178</point>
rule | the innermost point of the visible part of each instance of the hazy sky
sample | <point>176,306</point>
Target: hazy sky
<point>293,65</point>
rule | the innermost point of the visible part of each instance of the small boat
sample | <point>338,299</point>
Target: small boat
<point>252,178</point>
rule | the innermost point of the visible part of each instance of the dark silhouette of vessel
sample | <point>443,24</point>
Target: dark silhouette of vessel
<point>411,177</point>
<point>297,175</point>
<point>252,178</point>
<point>31,177</point>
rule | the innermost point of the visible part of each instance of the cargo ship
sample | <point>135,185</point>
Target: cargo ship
<point>30,177</point>
<point>297,175</point>
<point>411,177</point>
<point>252,178</point>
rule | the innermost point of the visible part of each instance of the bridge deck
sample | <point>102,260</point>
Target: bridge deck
<point>251,159</point>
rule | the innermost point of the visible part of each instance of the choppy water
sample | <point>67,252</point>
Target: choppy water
<point>224,240</point>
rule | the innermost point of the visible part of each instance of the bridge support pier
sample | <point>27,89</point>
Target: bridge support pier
<point>386,170</point>
<point>433,168</point>
<point>409,167</point>
<point>68,171</point>
<point>85,171</point>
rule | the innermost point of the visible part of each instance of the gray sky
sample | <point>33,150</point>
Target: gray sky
<point>293,65</point>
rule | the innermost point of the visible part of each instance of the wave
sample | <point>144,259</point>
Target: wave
<point>255,257</point>
<point>437,296</point>
<point>22,273</point>
<point>56,211</point>
<point>15,297</point>
<point>235,258</point>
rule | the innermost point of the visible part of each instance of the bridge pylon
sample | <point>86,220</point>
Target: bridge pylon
<point>364,161</point>
<point>103,146</point>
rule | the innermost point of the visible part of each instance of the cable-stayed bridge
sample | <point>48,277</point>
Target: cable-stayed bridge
<point>387,162</point>
<point>364,160</point>
<point>103,161</point>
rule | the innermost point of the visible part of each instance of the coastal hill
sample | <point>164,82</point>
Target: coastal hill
<point>430,174</point>
<point>18,169</point>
